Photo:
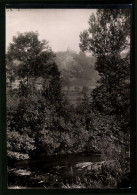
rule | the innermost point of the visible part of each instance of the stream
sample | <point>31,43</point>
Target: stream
<point>51,172</point>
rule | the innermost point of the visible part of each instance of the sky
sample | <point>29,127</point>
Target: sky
<point>61,27</point>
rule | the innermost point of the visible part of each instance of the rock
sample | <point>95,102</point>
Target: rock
<point>22,172</point>
<point>83,165</point>
<point>41,182</point>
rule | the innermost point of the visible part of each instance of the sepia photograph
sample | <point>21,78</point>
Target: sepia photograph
<point>68,98</point>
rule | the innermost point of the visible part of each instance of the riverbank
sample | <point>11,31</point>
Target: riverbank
<point>81,172</point>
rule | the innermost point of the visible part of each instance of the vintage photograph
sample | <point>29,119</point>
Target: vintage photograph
<point>68,98</point>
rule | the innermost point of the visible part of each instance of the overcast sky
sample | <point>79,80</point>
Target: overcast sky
<point>61,27</point>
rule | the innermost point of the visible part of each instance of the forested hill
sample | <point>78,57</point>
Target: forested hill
<point>77,74</point>
<point>76,69</point>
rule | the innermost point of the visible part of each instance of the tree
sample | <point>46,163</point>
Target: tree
<point>29,56</point>
<point>29,111</point>
<point>108,37</point>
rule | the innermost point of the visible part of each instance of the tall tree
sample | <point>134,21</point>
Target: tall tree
<point>108,38</point>
<point>31,63</point>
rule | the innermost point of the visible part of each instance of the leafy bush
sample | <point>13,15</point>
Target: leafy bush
<point>19,145</point>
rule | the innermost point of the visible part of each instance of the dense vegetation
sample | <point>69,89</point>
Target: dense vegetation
<point>110,32</point>
<point>40,119</point>
<point>108,38</point>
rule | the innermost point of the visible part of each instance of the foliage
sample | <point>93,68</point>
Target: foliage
<point>29,110</point>
<point>43,118</point>
<point>107,38</point>
<point>28,56</point>
<point>40,119</point>
<point>19,145</point>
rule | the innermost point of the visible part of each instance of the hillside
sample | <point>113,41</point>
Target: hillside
<point>77,73</point>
